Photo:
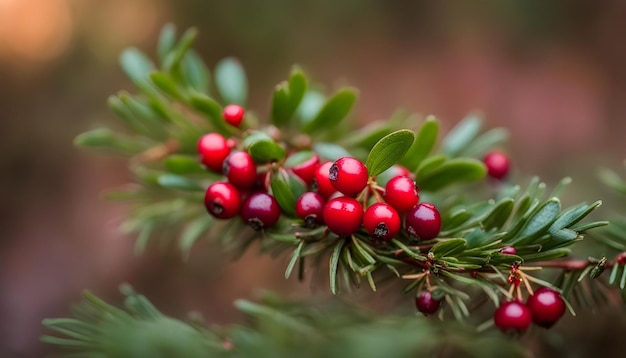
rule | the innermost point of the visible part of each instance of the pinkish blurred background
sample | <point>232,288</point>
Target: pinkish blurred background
<point>552,72</point>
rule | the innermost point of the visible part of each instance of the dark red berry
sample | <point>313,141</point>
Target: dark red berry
<point>233,114</point>
<point>512,317</point>
<point>497,164</point>
<point>213,149</point>
<point>382,221</point>
<point>621,258</point>
<point>426,303</point>
<point>423,221</point>
<point>306,170</point>
<point>343,215</point>
<point>322,181</point>
<point>348,175</point>
<point>222,200</point>
<point>310,208</point>
<point>260,211</point>
<point>402,193</point>
<point>509,250</point>
<point>546,307</point>
<point>240,169</point>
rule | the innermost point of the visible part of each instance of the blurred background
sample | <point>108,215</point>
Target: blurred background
<point>551,72</point>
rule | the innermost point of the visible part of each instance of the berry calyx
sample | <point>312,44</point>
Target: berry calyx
<point>423,221</point>
<point>322,180</point>
<point>348,176</point>
<point>508,250</point>
<point>426,303</point>
<point>310,208</point>
<point>497,164</point>
<point>546,306</point>
<point>213,148</point>
<point>260,211</point>
<point>402,193</point>
<point>233,114</point>
<point>240,169</point>
<point>512,317</point>
<point>306,170</point>
<point>381,221</point>
<point>343,215</point>
<point>222,200</point>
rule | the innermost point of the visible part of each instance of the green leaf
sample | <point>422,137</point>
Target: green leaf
<point>173,60</point>
<point>284,196</point>
<point>173,181</point>
<point>369,135</point>
<point>422,146</point>
<point>388,151</point>
<point>499,214</point>
<point>429,164</point>
<point>103,138</point>
<point>266,151</point>
<point>195,72</point>
<point>539,222</point>
<point>485,142</point>
<point>167,40</point>
<point>182,164</point>
<point>335,109</point>
<point>334,263</point>
<point>298,158</point>
<point>448,247</point>
<point>310,106</point>
<point>136,65</point>
<point>231,81</point>
<point>452,172</point>
<point>211,110</point>
<point>612,180</point>
<point>193,231</point>
<point>547,255</point>
<point>294,258</point>
<point>166,84</point>
<point>287,97</point>
<point>461,135</point>
<point>330,151</point>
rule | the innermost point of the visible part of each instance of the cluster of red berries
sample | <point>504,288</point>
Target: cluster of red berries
<point>545,307</point>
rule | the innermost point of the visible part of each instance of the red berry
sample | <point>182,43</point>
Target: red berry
<point>322,181</point>
<point>497,164</point>
<point>222,200</point>
<point>213,149</point>
<point>310,208</point>
<point>381,221</point>
<point>512,317</point>
<point>348,175</point>
<point>423,221</point>
<point>306,170</point>
<point>546,307</point>
<point>233,114</point>
<point>508,250</point>
<point>621,258</point>
<point>395,171</point>
<point>343,215</point>
<point>426,303</point>
<point>260,211</point>
<point>240,169</point>
<point>402,193</point>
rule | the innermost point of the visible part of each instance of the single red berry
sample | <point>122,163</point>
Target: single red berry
<point>343,215</point>
<point>233,114</point>
<point>310,208</point>
<point>512,317</point>
<point>402,193</point>
<point>423,221</point>
<point>306,170</point>
<point>240,169</point>
<point>508,250</point>
<point>546,307</point>
<point>497,164</point>
<point>322,181</point>
<point>382,221</point>
<point>621,258</point>
<point>348,175</point>
<point>222,200</point>
<point>260,211</point>
<point>426,303</point>
<point>213,149</point>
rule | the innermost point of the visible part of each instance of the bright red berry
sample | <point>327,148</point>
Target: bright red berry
<point>213,149</point>
<point>260,211</point>
<point>512,317</point>
<point>240,169</point>
<point>222,200</point>
<point>621,258</point>
<point>546,307</point>
<point>426,303</point>
<point>343,215</point>
<point>348,175</point>
<point>306,170</point>
<point>382,221</point>
<point>423,221</point>
<point>508,250</point>
<point>402,193</point>
<point>310,208</point>
<point>322,181</point>
<point>233,114</point>
<point>497,164</point>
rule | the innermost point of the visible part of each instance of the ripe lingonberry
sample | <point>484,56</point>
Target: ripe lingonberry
<point>322,181</point>
<point>240,169</point>
<point>310,208</point>
<point>621,258</point>
<point>381,221</point>
<point>497,164</point>
<point>233,114</point>
<point>213,148</point>
<point>512,317</point>
<point>423,221</point>
<point>426,303</point>
<point>222,200</point>
<point>343,215</point>
<point>348,175</point>
<point>306,170</point>
<point>508,250</point>
<point>546,307</point>
<point>402,193</point>
<point>260,211</point>
<point>395,171</point>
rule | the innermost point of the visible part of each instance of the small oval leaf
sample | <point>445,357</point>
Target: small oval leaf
<point>285,198</point>
<point>136,64</point>
<point>266,151</point>
<point>182,164</point>
<point>388,151</point>
<point>461,135</point>
<point>539,222</point>
<point>231,81</point>
<point>167,40</point>
<point>330,151</point>
<point>174,181</point>
<point>335,109</point>
<point>423,144</point>
<point>104,138</point>
<point>452,172</point>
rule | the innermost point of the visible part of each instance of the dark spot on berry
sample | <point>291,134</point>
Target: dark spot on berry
<point>381,230</point>
<point>310,221</point>
<point>216,208</point>
<point>333,172</point>
<point>256,224</point>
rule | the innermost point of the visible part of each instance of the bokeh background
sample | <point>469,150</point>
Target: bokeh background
<point>553,72</point>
